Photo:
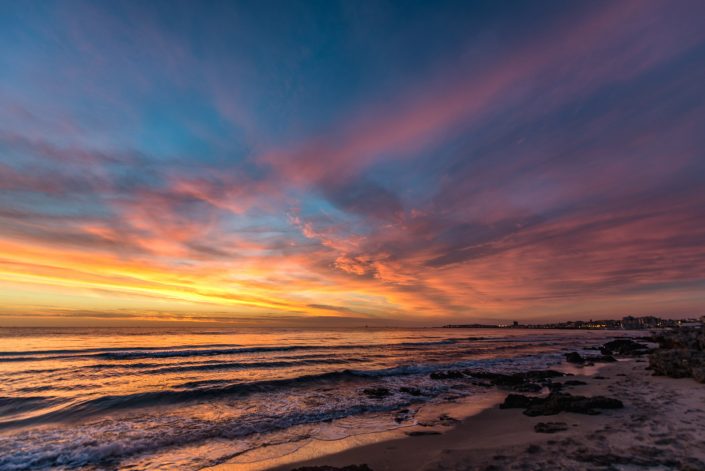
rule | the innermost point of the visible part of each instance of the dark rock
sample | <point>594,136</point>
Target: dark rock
<point>376,393</point>
<point>542,374</point>
<point>698,373</point>
<point>352,467</point>
<point>550,427</point>
<point>574,382</point>
<point>574,357</point>
<point>483,384</point>
<point>578,359</point>
<point>528,387</point>
<point>681,354</point>
<point>676,363</point>
<point>692,338</point>
<point>529,381</point>
<point>624,347</point>
<point>559,402</point>
<point>532,449</point>
<point>401,415</point>
<point>420,433</point>
<point>555,403</point>
<point>411,391</point>
<point>446,420</point>
<point>516,401</point>
<point>496,378</point>
<point>450,374</point>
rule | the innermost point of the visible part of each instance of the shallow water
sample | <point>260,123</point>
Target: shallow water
<point>190,398</point>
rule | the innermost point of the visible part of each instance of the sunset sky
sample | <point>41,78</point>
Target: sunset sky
<point>285,162</point>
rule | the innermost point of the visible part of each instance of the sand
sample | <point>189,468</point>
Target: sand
<point>662,426</point>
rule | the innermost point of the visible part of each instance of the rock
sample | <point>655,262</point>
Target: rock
<point>676,363</point>
<point>556,402</point>
<point>411,391</point>
<point>402,415</point>
<point>574,357</point>
<point>624,347</point>
<point>550,427</point>
<point>574,382</point>
<point>528,387</point>
<point>447,421</point>
<point>692,338</point>
<point>516,401</point>
<point>699,374</point>
<point>376,393</point>
<point>352,467</point>
<point>542,374</point>
<point>450,374</point>
<point>681,354</point>
<point>529,381</point>
<point>532,449</point>
<point>420,433</point>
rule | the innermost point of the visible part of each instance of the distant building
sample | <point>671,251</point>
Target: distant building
<point>630,323</point>
<point>647,322</point>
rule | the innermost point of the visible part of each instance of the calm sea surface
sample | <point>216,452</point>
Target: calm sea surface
<point>186,399</point>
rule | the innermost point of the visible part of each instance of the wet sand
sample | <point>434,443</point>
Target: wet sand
<point>662,426</point>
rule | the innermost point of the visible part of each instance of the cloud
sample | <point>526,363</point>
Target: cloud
<point>543,169</point>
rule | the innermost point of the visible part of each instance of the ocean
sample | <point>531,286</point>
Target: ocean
<point>164,399</point>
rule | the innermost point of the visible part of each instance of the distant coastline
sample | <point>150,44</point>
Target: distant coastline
<point>626,323</point>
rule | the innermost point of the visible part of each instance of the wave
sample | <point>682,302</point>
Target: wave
<point>84,449</point>
<point>131,355</point>
<point>135,353</point>
<point>216,366</point>
<point>90,350</point>
<point>11,406</point>
<point>174,396</point>
<point>60,354</point>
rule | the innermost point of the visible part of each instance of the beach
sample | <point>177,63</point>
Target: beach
<point>662,426</point>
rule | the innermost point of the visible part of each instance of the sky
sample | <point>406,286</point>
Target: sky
<point>322,162</point>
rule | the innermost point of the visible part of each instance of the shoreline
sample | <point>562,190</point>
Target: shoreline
<point>661,426</point>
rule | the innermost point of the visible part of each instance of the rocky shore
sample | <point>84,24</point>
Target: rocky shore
<point>631,415</point>
<point>681,354</point>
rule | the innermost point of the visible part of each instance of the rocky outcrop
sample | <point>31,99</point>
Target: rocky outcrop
<point>450,374</point>
<point>578,359</point>
<point>529,381</point>
<point>550,427</point>
<point>681,354</point>
<point>624,347</point>
<point>557,402</point>
<point>574,357</point>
